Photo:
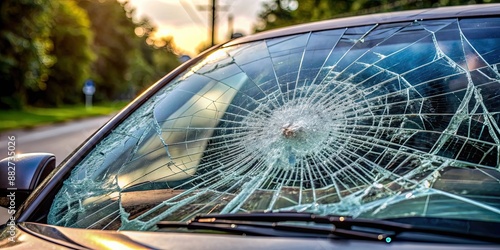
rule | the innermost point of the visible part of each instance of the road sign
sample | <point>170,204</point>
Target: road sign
<point>89,87</point>
<point>88,90</point>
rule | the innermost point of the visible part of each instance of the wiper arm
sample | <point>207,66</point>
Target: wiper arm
<point>268,224</point>
<point>338,221</point>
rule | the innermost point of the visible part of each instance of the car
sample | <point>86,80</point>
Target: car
<point>363,132</point>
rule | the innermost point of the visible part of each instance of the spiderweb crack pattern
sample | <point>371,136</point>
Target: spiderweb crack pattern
<point>378,121</point>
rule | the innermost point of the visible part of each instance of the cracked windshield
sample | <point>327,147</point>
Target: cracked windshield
<point>381,121</point>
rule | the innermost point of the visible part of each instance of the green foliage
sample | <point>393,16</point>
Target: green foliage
<point>141,72</point>
<point>32,117</point>
<point>157,57</point>
<point>281,13</point>
<point>49,48</point>
<point>72,38</point>
<point>24,49</point>
<point>164,56</point>
<point>113,43</point>
<point>126,63</point>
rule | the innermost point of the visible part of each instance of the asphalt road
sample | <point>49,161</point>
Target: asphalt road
<point>60,139</point>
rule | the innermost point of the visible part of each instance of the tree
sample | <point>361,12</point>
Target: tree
<point>24,49</point>
<point>72,38</point>
<point>165,56</point>
<point>128,57</point>
<point>157,56</point>
<point>49,48</point>
<point>114,44</point>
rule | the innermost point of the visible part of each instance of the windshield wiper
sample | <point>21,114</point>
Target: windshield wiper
<point>299,224</point>
<point>274,224</point>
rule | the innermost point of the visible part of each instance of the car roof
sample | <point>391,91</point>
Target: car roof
<point>476,10</point>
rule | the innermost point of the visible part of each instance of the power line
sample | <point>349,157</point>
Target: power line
<point>192,15</point>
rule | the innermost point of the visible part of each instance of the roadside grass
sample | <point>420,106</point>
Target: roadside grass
<point>32,117</point>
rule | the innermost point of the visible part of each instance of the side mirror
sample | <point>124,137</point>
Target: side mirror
<point>20,176</point>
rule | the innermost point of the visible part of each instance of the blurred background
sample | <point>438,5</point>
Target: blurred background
<point>51,51</point>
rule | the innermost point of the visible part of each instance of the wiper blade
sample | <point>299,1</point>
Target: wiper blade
<point>344,222</point>
<point>270,224</point>
<point>333,226</point>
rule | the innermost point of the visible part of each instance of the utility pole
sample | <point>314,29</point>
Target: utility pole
<point>212,14</point>
<point>230,29</point>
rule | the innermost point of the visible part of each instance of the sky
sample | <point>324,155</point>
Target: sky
<point>189,26</point>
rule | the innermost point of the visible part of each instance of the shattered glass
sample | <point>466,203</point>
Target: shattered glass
<point>378,121</point>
